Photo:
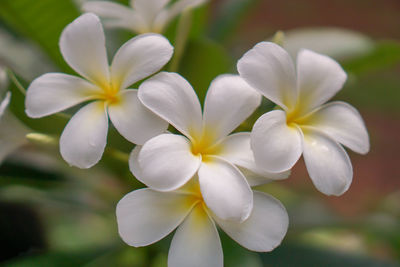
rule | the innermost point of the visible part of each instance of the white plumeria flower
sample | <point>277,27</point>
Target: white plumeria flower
<point>145,216</point>
<point>168,161</point>
<point>82,45</point>
<point>143,16</point>
<point>304,124</point>
<point>12,131</point>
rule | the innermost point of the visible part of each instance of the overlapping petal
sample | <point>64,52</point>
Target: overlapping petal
<point>149,9</point>
<point>145,216</point>
<point>179,6</point>
<point>166,162</point>
<point>54,92</point>
<point>264,229</point>
<point>82,44</point>
<point>276,146</point>
<point>269,69</point>
<point>134,121</point>
<point>327,163</point>
<point>172,98</point>
<point>343,123</point>
<point>115,15</point>
<point>134,163</point>
<point>196,242</point>
<point>236,149</point>
<point>225,190</point>
<point>84,138</point>
<point>229,101</point>
<point>319,78</point>
<point>139,58</point>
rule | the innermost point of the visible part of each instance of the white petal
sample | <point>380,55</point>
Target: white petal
<point>134,163</point>
<point>115,15</point>
<point>225,190</point>
<point>269,69</point>
<point>338,43</point>
<point>149,9</point>
<point>179,6</point>
<point>266,227</point>
<point>172,98</point>
<point>5,102</point>
<point>196,242</point>
<point>327,163</point>
<point>167,163</point>
<point>134,121</point>
<point>236,149</point>
<point>343,123</point>
<point>139,58</point>
<point>82,45</point>
<point>319,78</point>
<point>145,216</point>
<point>229,101</point>
<point>84,138</point>
<point>276,146</point>
<point>54,92</point>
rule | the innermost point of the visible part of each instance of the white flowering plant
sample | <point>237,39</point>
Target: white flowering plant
<point>153,134</point>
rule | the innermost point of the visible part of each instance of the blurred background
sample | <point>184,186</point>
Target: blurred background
<point>55,215</point>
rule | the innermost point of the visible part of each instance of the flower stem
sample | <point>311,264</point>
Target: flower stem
<point>185,22</point>
<point>14,79</point>
<point>117,154</point>
<point>41,139</point>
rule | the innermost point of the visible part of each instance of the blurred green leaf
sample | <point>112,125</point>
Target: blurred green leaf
<point>13,174</point>
<point>297,255</point>
<point>385,54</point>
<point>59,259</point>
<point>377,90</point>
<point>230,15</point>
<point>202,61</point>
<point>237,256</point>
<point>41,21</point>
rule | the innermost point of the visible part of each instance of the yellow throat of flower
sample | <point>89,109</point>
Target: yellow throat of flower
<point>296,116</point>
<point>110,93</point>
<point>205,145</point>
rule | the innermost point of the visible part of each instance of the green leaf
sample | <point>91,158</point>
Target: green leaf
<point>385,54</point>
<point>237,256</point>
<point>296,255</point>
<point>16,174</point>
<point>202,61</point>
<point>59,259</point>
<point>41,21</point>
<point>229,17</point>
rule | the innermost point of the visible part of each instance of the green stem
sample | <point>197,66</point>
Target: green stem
<point>117,154</point>
<point>41,139</point>
<point>185,22</point>
<point>14,79</point>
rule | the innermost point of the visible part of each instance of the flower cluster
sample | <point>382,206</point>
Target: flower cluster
<point>200,175</point>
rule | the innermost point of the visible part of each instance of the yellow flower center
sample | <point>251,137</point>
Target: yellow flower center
<point>110,93</point>
<point>296,116</point>
<point>205,146</point>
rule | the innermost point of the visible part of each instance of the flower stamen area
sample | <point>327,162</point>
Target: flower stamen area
<point>296,116</point>
<point>110,94</point>
<point>205,146</point>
